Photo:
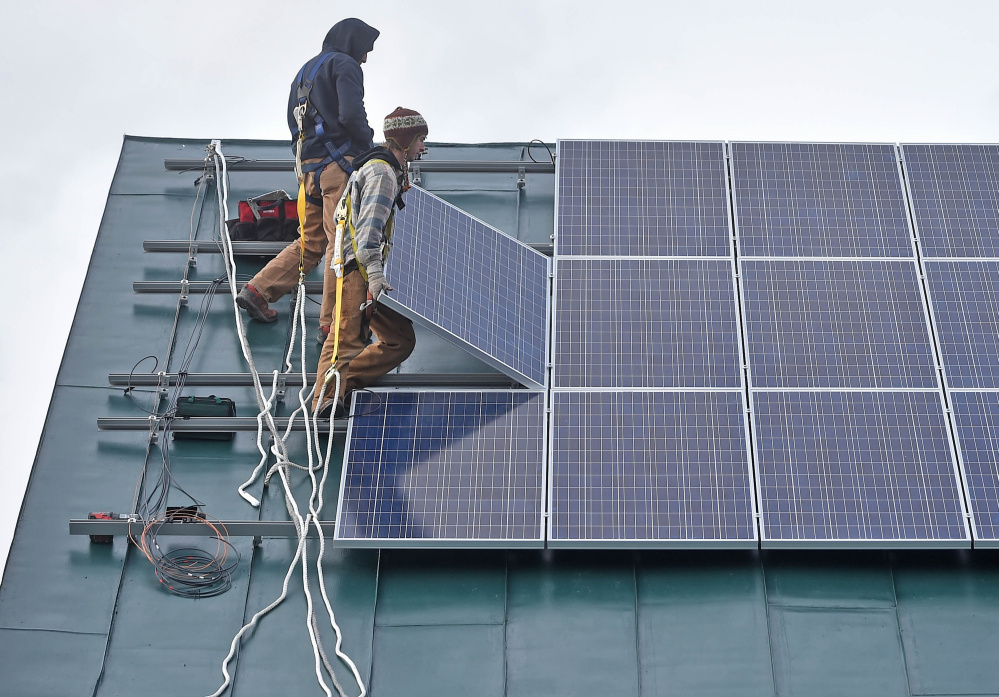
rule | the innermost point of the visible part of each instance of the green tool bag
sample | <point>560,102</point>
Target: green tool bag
<point>205,406</point>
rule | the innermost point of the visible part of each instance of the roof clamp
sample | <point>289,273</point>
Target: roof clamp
<point>521,177</point>
<point>185,289</point>
<point>162,385</point>
<point>282,385</point>
<point>414,173</point>
<point>192,256</point>
<point>154,428</point>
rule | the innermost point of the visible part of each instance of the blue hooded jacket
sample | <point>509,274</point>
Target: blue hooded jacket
<point>338,91</point>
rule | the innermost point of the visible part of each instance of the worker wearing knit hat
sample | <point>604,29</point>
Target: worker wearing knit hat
<point>403,125</point>
<point>365,215</point>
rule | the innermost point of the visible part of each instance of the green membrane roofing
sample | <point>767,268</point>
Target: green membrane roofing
<point>89,619</point>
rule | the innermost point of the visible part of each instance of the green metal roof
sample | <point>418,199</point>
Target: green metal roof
<point>83,619</point>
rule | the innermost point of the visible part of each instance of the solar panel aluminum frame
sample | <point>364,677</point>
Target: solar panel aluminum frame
<point>444,543</point>
<point>734,197</point>
<point>449,336</point>
<point>919,277</point>
<point>911,198</point>
<point>553,332</point>
<point>979,540</point>
<point>847,543</point>
<point>558,175</point>
<point>604,543</point>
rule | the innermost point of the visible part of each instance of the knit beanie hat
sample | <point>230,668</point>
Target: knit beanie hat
<point>403,125</point>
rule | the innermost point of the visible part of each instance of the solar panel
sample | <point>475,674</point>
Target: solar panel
<point>836,323</point>
<point>964,296</point>
<point>976,415</point>
<point>642,198</point>
<point>856,468</point>
<point>819,200</point>
<point>646,323</point>
<point>472,284</point>
<point>650,469</point>
<point>955,198</point>
<point>439,469</point>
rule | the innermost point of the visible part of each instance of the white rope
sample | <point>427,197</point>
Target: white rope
<point>252,500</point>
<point>283,466</point>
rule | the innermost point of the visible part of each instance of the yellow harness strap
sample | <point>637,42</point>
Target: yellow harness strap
<point>299,115</point>
<point>341,219</point>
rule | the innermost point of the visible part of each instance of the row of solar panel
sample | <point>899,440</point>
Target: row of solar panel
<point>674,323</point>
<point>791,199</point>
<point>666,469</point>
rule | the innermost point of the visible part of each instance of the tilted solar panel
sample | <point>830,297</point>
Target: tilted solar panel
<point>955,198</point>
<point>964,296</point>
<point>976,416</point>
<point>472,284</point>
<point>642,198</point>
<point>836,323</point>
<point>653,469</point>
<point>437,469</point>
<point>646,323</point>
<point>856,468</point>
<point>819,200</point>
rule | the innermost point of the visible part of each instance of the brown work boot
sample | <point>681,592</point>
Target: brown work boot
<point>255,305</point>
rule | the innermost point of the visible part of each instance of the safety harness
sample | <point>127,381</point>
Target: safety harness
<point>305,108</point>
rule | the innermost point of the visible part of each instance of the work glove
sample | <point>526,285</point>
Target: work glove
<point>377,283</point>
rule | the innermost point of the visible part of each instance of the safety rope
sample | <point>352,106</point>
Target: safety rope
<point>284,465</point>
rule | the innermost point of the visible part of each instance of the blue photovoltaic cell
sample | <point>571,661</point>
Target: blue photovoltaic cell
<point>652,468</point>
<point>646,323</point>
<point>428,468</point>
<point>976,415</point>
<point>642,198</point>
<point>471,283</point>
<point>955,198</point>
<point>856,467</point>
<point>819,200</point>
<point>965,301</point>
<point>836,324</point>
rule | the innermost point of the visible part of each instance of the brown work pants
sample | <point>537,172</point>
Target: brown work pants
<point>319,229</point>
<point>359,362</point>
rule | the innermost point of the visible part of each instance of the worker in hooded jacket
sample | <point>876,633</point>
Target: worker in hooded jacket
<point>336,104</point>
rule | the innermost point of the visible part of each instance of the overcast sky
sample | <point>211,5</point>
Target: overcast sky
<point>75,77</point>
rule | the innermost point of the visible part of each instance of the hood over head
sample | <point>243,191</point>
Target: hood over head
<point>351,36</point>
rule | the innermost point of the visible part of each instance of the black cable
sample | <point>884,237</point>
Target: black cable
<point>537,140</point>
<point>377,408</point>
<point>129,388</point>
<point>189,571</point>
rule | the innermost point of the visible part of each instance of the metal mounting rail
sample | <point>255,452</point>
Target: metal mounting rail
<point>483,166</point>
<point>484,380</point>
<point>257,248</point>
<point>234,528</point>
<point>311,287</point>
<point>206,424</point>
<point>212,247</point>
<point>238,164</point>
